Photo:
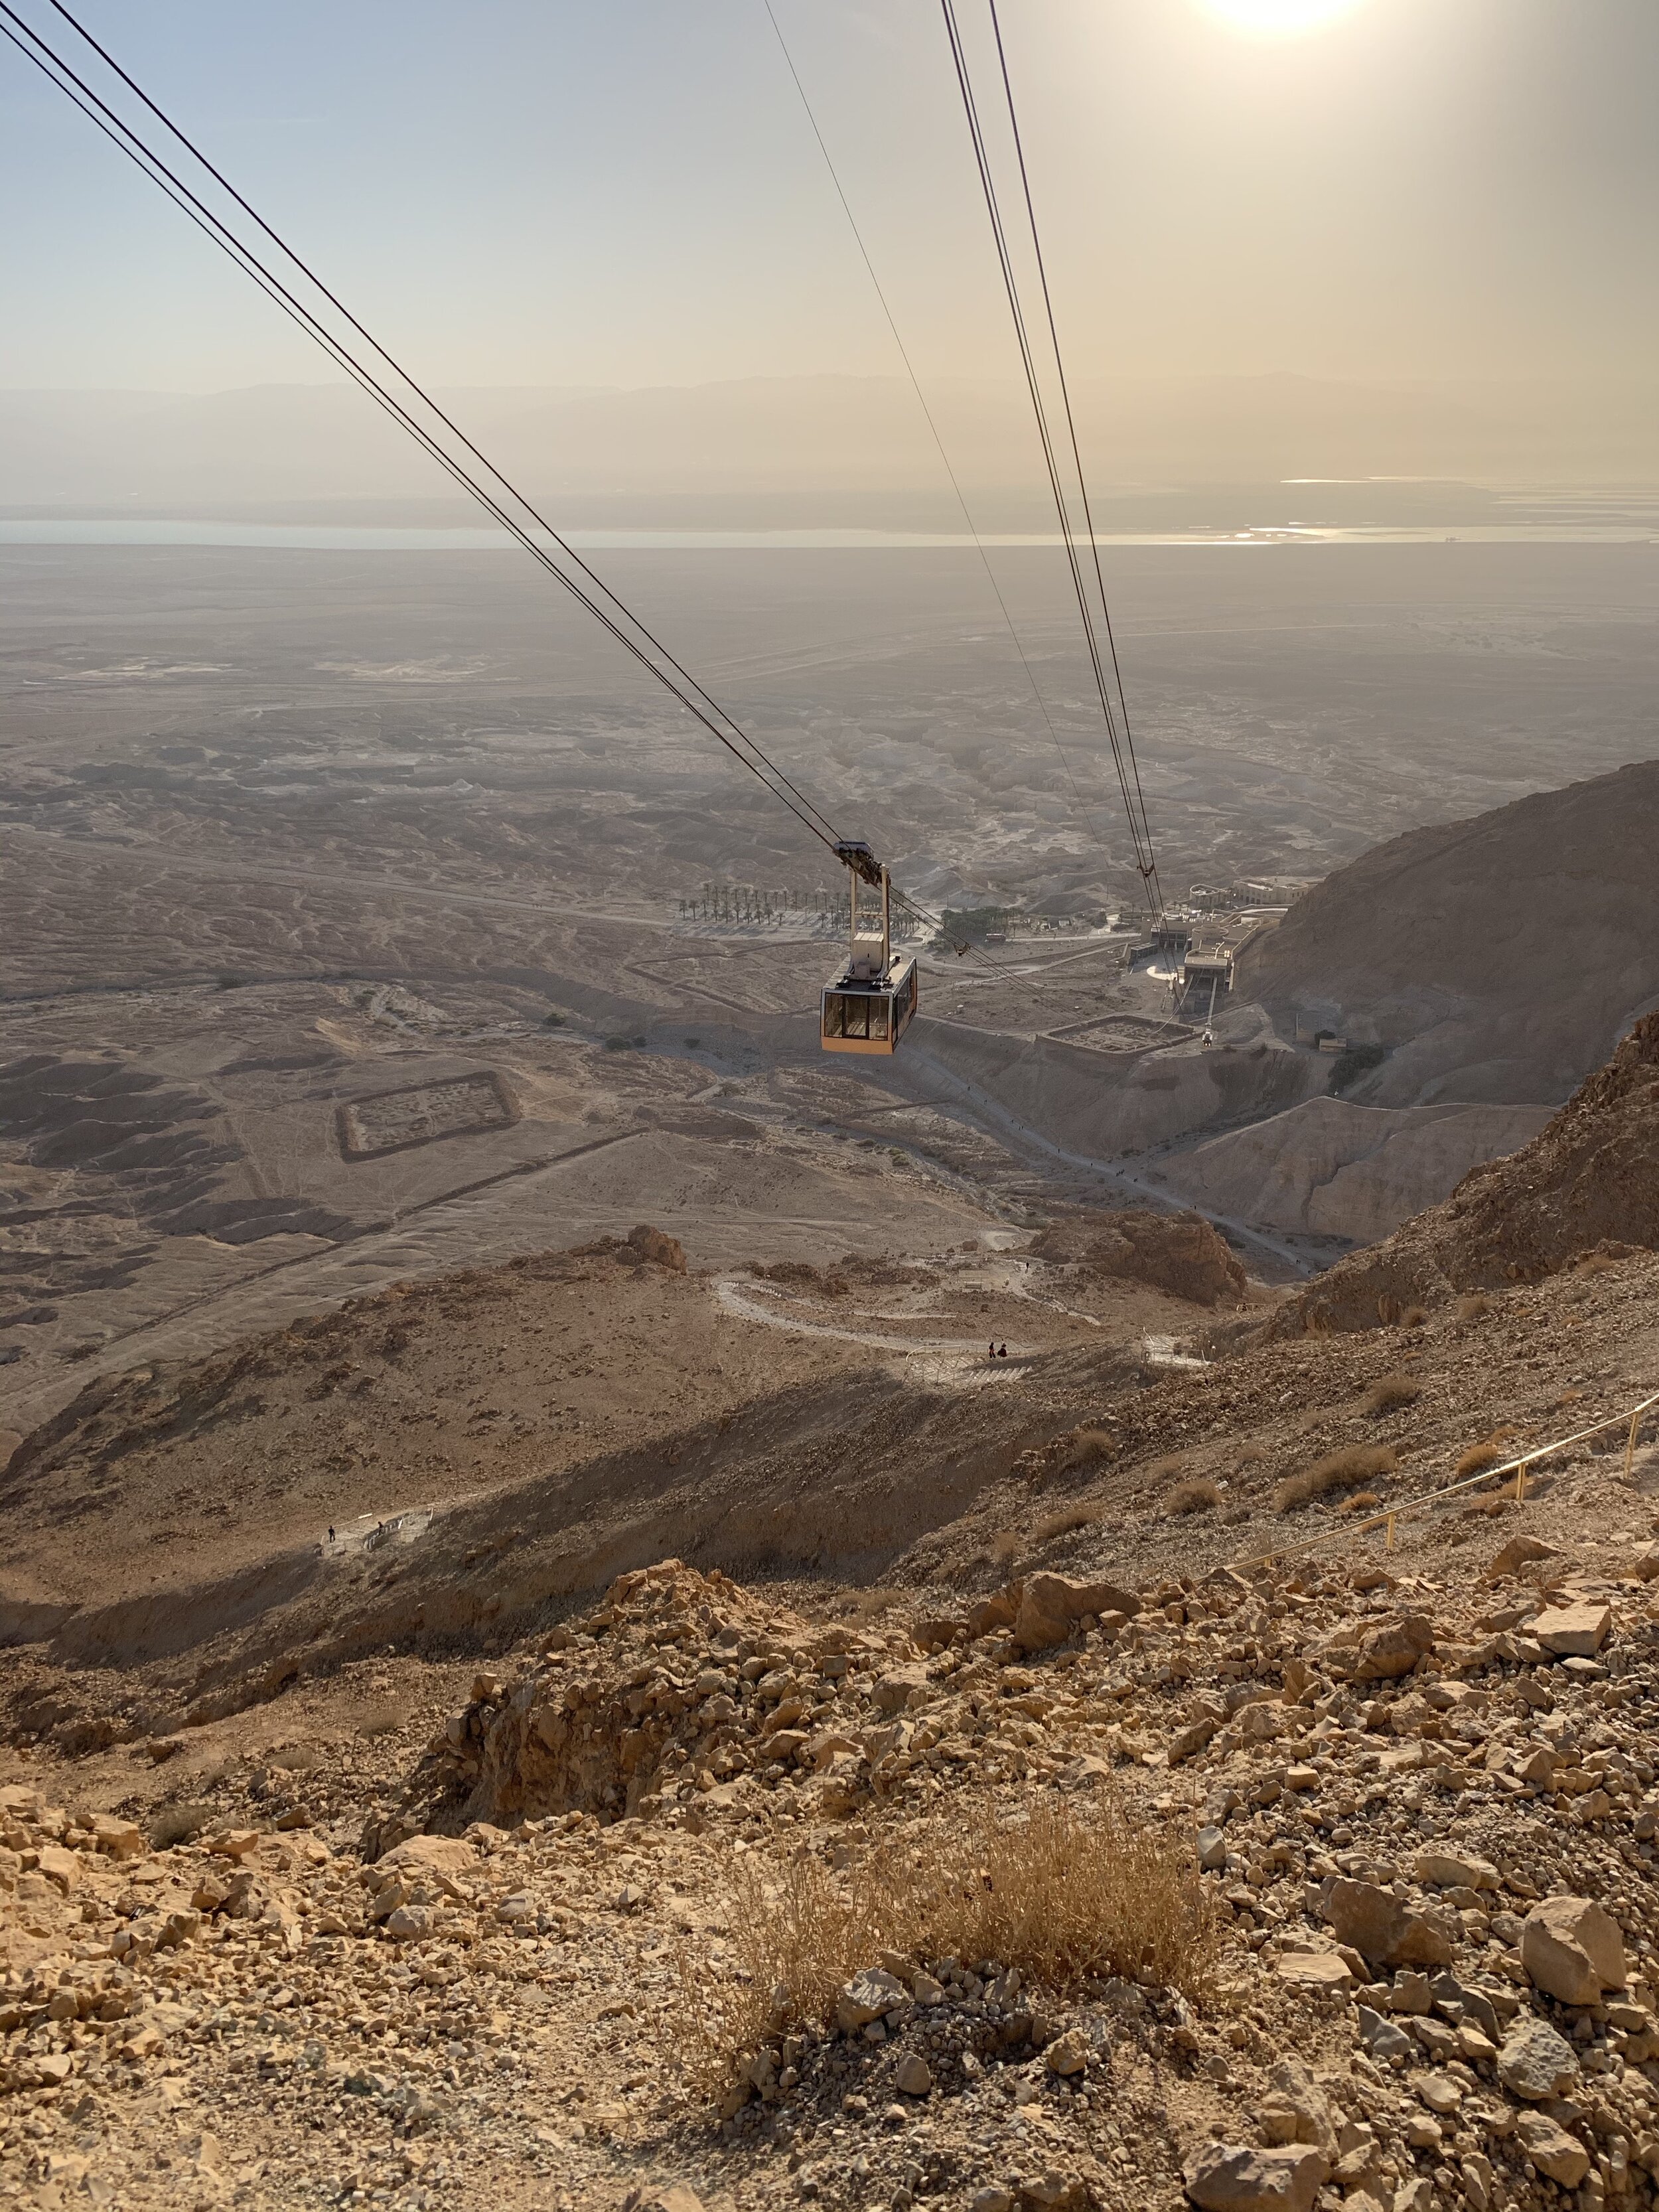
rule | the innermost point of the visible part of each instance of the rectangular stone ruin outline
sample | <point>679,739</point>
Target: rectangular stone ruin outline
<point>1168,1034</point>
<point>502,1113</point>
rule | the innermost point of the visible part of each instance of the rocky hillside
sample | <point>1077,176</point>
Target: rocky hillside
<point>1585,1189</point>
<point>1416,1813</point>
<point>1120,1777</point>
<point>1498,959</point>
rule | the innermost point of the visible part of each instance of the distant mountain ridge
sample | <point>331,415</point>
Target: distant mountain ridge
<point>823,434</point>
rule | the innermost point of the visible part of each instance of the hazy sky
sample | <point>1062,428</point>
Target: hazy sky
<point>533,192</point>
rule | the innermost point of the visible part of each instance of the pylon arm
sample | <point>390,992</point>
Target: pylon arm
<point>854,853</point>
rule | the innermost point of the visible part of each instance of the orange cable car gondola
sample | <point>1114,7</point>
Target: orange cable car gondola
<point>872,1001</point>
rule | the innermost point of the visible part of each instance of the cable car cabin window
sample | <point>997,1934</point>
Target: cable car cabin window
<point>904,1001</point>
<point>878,1018</point>
<point>846,1014</point>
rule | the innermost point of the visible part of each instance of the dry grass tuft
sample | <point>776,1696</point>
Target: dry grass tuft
<point>1390,1391</point>
<point>1413,1318</point>
<point>1088,1444</point>
<point>1360,1501</point>
<point>1488,1508</point>
<point>374,1716</point>
<point>1063,1896</point>
<point>1198,1494</point>
<point>1478,1458</point>
<point>296,1759</point>
<point>1475,1306</point>
<point>1070,1518</point>
<point>1252,1454</point>
<point>177,1824</point>
<point>1594,1263</point>
<point>1005,1548</point>
<point>1338,1470</point>
<point>1165,1469</point>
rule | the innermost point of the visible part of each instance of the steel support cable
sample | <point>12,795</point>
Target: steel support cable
<point>424,396</point>
<point>689,694</point>
<point>1046,436</point>
<point>1144,860</point>
<point>1071,427</point>
<point>1033,383</point>
<point>59,73</point>
<point>927,413</point>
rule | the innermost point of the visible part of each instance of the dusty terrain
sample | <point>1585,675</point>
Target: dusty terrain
<point>455,1854</point>
<point>346,906</point>
<point>227,1978</point>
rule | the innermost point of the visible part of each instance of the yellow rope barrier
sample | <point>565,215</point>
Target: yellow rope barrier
<point>1429,1498</point>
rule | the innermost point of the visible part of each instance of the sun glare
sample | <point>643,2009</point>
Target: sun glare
<point>1280,19</point>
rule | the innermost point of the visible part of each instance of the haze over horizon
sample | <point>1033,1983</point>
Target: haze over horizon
<point>1402,243</point>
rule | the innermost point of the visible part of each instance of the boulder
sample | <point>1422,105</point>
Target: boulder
<point>1552,2149</point>
<point>1381,2038</point>
<point>656,1247</point>
<point>1187,1743</point>
<point>1473,2008</point>
<point>62,1868</point>
<point>1572,1949</point>
<point>1055,2193</point>
<point>1294,2109</point>
<point>443,1857</point>
<point>1314,1970</point>
<point>1067,2054</point>
<point>1240,2178</point>
<point>117,1838</point>
<point>1051,1605</point>
<point>1211,1849</point>
<point>990,1613</point>
<point>1450,1870</point>
<point>1439,2093</point>
<point>1519,1552</point>
<point>914,2077</point>
<point>900,1687</point>
<point>1375,1923</point>
<point>1572,1632</point>
<point>866,1997</point>
<point>1393,1649</point>
<point>235,1842</point>
<point>1535,2062</point>
<point>411,1923</point>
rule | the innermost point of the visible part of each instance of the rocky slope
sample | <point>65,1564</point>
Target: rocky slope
<point>1498,958</point>
<point>329,1905</point>
<point>1330,1168</point>
<point>1588,1184</point>
<point>1419,1812</point>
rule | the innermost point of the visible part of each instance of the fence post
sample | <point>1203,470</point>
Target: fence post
<point>1388,1542</point>
<point>1521,1484</point>
<point>1630,1447</point>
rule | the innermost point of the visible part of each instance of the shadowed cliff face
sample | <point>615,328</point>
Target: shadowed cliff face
<point>1587,1188</point>
<point>1497,958</point>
